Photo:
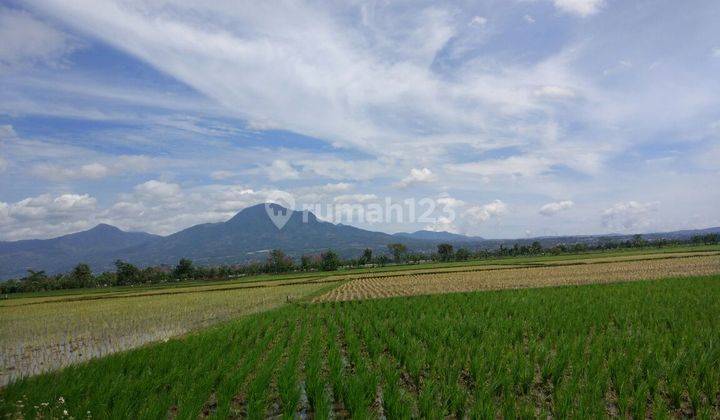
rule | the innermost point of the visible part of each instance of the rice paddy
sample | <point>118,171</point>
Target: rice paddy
<point>492,278</point>
<point>41,334</point>
<point>642,349</point>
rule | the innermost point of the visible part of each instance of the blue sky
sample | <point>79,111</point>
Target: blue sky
<point>522,117</point>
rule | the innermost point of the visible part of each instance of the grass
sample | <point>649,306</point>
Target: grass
<point>628,349</point>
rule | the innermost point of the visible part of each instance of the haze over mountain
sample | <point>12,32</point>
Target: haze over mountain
<point>438,236</point>
<point>245,237</point>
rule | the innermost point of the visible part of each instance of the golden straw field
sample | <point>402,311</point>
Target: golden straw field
<point>41,334</point>
<point>492,278</point>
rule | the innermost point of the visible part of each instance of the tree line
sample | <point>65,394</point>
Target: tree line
<point>277,262</point>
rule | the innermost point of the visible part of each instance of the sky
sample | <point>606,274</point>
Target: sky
<point>504,119</point>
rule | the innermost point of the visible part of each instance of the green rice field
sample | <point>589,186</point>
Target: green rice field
<point>640,349</point>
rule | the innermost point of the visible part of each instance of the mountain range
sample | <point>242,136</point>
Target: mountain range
<point>248,236</point>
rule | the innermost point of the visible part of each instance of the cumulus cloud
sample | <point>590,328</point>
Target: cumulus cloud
<point>551,209</point>
<point>581,8</point>
<point>337,187</point>
<point>479,214</point>
<point>45,215</point>
<point>155,190</point>
<point>417,176</point>
<point>629,215</point>
<point>443,224</point>
<point>280,170</point>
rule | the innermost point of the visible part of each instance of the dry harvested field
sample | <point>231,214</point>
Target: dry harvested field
<point>533,262</point>
<point>41,334</point>
<point>492,278</point>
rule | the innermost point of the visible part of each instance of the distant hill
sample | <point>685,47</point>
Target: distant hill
<point>429,235</point>
<point>248,236</point>
<point>96,246</point>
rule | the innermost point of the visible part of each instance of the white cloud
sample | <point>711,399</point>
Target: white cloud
<point>629,215</point>
<point>354,198</point>
<point>479,214</point>
<point>45,215</point>
<point>26,40</point>
<point>155,190</point>
<point>339,169</point>
<point>337,187</point>
<point>581,8</point>
<point>7,131</point>
<point>526,165</point>
<point>120,165</point>
<point>417,176</point>
<point>715,52</point>
<point>304,71</point>
<point>554,92</point>
<point>280,170</point>
<point>450,202</point>
<point>443,224</point>
<point>529,19</point>
<point>550,209</point>
<point>478,21</point>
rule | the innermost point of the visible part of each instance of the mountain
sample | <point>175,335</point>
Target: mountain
<point>429,235</point>
<point>251,233</point>
<point>97,247</point>
<point>248,236</point>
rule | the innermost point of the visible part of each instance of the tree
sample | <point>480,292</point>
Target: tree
<point>127,273</point>
<point>367,256</point>
<point>184,269</point>
<point>536,248</point>
<point>638,240</point>
<point>306,263</point>
<point>382,260</point>
<point>278,262</point>
<point>329,261</point>
<point>82,275</point>
<point>398,251</point>
<point>445,251</point>
<point>462,254</point>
